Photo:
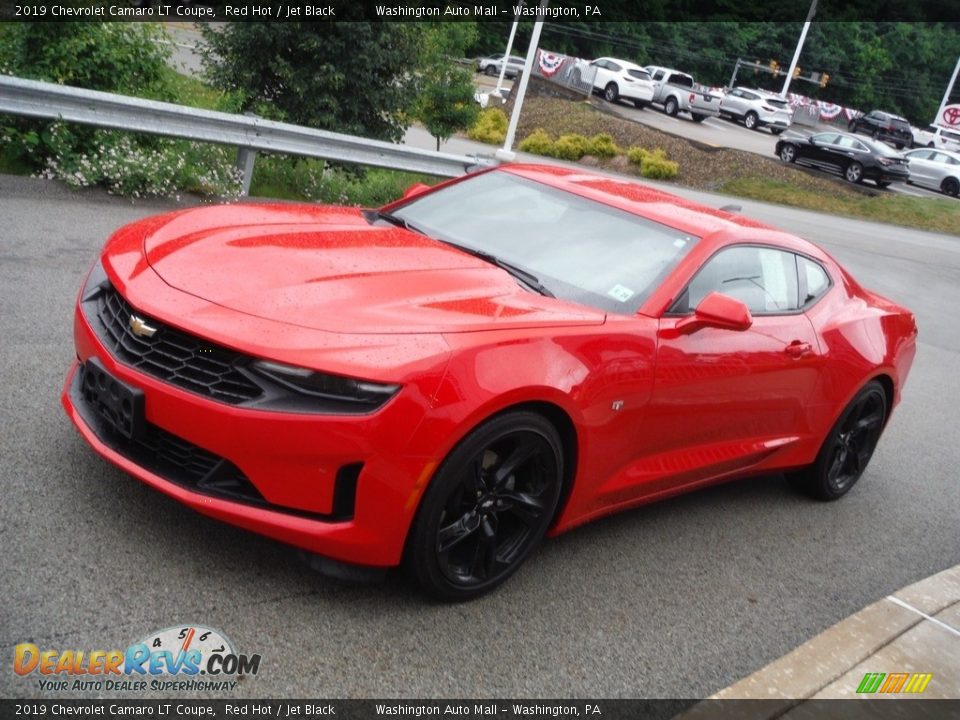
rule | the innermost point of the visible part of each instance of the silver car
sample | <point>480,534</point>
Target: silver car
<point>757,109</point>
<point>492,64</point>
<point>935,169</point>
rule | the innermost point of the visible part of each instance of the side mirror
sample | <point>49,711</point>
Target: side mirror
<point>719,311</point>
<point>811,140</point>
<point>414,190</point>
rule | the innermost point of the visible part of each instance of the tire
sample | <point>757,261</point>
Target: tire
<point>751,120</point>
<point>883,183</point>
<point>491,70</point>
<point>848,447</point>
<point>853,172</point>
<point>875,135</point>
<point>950,186</point>
<point>671,107</point>
<point>899,146</point>
<point>697,117</point>
<point>640,104</point>
<point>852,126</point>
<point>788,153</point>
<point>611,92</point>
<point>776,131</point>
<point>489,504</point>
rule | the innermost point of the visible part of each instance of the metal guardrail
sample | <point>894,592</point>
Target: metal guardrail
<point>32,98</point>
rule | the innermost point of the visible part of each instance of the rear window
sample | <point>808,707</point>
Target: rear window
<point>682,80</point>
<point>776,103</point>
<point>900,124</point>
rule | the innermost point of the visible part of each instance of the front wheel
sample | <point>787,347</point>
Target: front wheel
<point>491,70</point>
<point>611,92</point>
<point>488,506</point>
<point>671,107</point>
<point>848,447</point>
<point>788,153</point>
<point>750,121</point>
<point>776,131</point>
<point>854,172</point>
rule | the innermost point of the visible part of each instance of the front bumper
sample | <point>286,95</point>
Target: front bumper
<point>339,486</point>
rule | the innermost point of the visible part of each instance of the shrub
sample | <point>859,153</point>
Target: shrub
<point>538,142</point>
<point>569,147</point>
<point>602,146</point>
<point>653,165</point>
<point>490,127</point>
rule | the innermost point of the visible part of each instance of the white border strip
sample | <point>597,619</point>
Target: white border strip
<point>942,624</point>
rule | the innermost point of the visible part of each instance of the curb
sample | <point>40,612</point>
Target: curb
<point>812,671</point>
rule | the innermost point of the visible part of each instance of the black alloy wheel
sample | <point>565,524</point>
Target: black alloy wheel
<point>950,186</point>
<point>848,447</point>
<point>488,506</point>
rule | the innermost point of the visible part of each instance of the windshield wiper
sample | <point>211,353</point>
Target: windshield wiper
<point>527,278</point>
<point>372,215</point>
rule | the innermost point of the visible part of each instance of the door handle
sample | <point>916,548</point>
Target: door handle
<point>798,349</point>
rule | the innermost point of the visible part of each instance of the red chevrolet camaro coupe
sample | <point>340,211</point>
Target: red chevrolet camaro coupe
<point>448,379</point>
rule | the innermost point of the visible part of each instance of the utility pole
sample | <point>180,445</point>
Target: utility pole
<point>796,55</point>
<point>506,56</point>
<point>506,152</point>
<point>946,95</point>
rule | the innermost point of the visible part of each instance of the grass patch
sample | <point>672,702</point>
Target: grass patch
<point>195,93</point>
<point>935,214</point>
<point>308,179</point>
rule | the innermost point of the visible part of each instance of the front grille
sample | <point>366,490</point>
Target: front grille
<point>171,355</point>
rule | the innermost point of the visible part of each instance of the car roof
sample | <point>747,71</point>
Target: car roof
<point>626,63</point>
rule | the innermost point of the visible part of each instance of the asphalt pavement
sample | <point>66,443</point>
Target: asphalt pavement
<point>678,599</point>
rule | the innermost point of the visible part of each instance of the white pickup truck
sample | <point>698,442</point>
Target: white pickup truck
<point>677,92</point>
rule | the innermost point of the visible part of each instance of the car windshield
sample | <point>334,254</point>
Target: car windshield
<point>579,250</point>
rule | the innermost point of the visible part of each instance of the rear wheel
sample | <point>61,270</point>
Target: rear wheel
<point>788,153</point>
<point>750,121</point>
<point>854,172</point>
<point>611,92</point>
<point>852,126</point>
<point>640,104</point>
<point>671,107</point>
<point>883,183</point>
<point>488,506</point>
<point>697,117</point>
<point>848,447</point>
<point>950,186</point>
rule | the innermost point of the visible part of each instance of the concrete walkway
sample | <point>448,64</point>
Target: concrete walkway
<point>915,630</point>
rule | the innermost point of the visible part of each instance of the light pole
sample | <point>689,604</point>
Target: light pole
<point>796,55</point>
<point>946,95</point>
<point>506,152</point>
<point>506,56</point>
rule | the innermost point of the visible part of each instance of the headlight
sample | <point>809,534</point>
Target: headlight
<point>326,385</point>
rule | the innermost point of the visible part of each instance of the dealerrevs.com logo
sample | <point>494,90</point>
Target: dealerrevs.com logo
<point>179,658</point>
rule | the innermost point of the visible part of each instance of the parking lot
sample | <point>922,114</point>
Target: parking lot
<point>678,599</point>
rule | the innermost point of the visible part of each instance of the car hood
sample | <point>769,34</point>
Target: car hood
<point>327,268</point>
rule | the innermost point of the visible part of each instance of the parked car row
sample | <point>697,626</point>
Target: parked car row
<point>858,159</point>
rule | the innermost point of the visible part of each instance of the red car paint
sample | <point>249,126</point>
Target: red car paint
<point>648,408</point>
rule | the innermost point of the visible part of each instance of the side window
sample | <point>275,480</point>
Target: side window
<point>763,278</point>
<point>814,280</point>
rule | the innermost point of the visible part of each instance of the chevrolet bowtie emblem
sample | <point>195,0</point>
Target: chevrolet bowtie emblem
<point>140,327</point>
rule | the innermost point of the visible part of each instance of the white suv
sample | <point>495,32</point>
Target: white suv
<point>621,79</point>
<point>757,109</point>
<point>934,136</point>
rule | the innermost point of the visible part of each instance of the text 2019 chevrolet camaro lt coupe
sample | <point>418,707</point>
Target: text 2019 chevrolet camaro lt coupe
<point>448,379</point>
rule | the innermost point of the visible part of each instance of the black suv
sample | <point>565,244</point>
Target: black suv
<point>884,126</point>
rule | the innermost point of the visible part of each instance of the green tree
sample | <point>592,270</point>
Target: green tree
<point>351,77</point>
<point>445,100</point>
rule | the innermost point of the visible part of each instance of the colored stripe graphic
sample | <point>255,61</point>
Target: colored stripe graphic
<point>894,683</point>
